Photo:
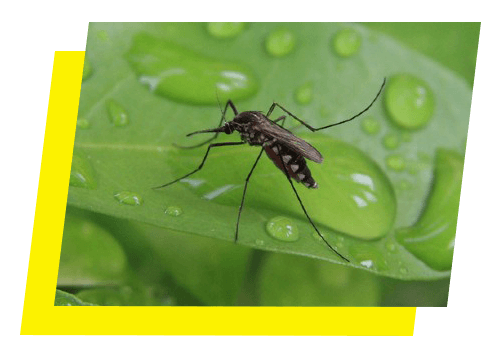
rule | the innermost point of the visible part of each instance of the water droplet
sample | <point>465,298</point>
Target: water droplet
<point>82,173</point>
<point>364,189</point>
<point>370,125</point>
<point>260,242</point>
<point>431,239</point>
<point>409,101</point>
<point>102,35</point>
<point>391,246</point>
<point>404,184</point>
<point>173,211</point>
<point>83,123</point>
<point>337,242</point>
<point>368,257</point>
<point>367,263</point>
<point>224,30</point>
<point>280,43</point>
<point>87,69</point>
<point>396,162</point>
<point>282,228</point>
<point>117,114</point>
<point>346,42</point>
<point>391,141</point>
<point>403,270</point>
<point>128,198</point>
<point>179,74</point>
<point>304,94</point>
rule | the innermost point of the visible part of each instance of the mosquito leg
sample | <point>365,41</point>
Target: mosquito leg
<point>232,106</point>
<point>244,194</point>
<point>281,118</point>
<point>313,129</point>
<point>304,209</point>
<point>203,160</point>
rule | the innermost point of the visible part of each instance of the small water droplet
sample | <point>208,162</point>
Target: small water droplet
<point>391,246</point>
<point>117,114</point>
<point>173,211</point>
<point>370,125</point>
<point>280,43</point>
<point>304,94</point>
<point>83,123</point>
<point>82,173</point>
<point>396,162</point>
<point>128,198</point>
<point>404,184</point>
<point>282,228</point>
<point>403,270</point>
<point>390,141</point>
<point>260,242</point>
<point>87,69</point>
<point>367,263</point>
<point>224,30</point>
<point>102,35</point>
<point>409,101</point>
<point>346,42</point>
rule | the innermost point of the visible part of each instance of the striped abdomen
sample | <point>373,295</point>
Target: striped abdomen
<point>294,163</point>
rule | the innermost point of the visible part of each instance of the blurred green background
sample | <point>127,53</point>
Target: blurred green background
<point>113,256</point>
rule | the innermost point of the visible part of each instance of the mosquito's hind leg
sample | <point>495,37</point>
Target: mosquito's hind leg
<point>203,160</point>
<point>304,209</point>
<point>313,129</point>
<point>232,106</point>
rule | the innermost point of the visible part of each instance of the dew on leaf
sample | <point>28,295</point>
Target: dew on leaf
<point>280,43</point>
<point>346,42</point>
<point>283,229</point>
<point>128,198</point>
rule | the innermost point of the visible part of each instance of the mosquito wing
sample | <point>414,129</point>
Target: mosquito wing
<point>286,138</point>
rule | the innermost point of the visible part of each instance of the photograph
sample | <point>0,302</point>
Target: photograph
<point>267,164</point>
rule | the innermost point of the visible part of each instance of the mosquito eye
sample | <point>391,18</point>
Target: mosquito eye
<point>228,129</point>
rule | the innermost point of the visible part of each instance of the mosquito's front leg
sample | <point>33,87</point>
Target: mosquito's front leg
<point>244,194</point>
<point>203,160</point>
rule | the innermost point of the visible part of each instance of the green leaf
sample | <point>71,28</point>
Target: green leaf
<point>66,299</point>
<point>140,155</point>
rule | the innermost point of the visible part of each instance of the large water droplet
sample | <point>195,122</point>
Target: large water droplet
<point>409,101</point>
<point>431,239</point>
<point>182,75</point>
<point>282,228</point>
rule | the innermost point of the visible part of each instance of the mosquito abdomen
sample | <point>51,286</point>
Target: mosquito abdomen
<point>294,163</point>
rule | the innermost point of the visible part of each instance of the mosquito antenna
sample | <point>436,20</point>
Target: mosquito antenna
<point>214,130</point>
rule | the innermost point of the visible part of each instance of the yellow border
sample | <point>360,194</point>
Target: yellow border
<point>40,316</point>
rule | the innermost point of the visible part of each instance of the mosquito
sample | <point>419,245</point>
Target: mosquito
<point>288,152</point>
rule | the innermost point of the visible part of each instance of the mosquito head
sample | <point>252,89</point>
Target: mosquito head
<point>227,128</point>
